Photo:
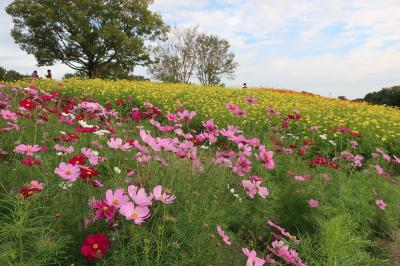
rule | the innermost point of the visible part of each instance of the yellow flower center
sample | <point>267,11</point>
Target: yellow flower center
<point>89,173</point>
<point>116,202</point>
<point>68,172</point>
<point>135,215</point>
<point>95,246</point>
<point>105,208</point>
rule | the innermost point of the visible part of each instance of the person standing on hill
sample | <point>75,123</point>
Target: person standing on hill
<point>49,76</point>
<point>35,74</point>
<point>244,85</point>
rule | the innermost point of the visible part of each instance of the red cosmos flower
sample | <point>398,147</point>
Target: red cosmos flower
<point>86,129</point>
<point>67,107</point>
<point>88,172</point>
<point>136,114</point>
<point>27,104</point>
<point>31,161</point>
<point>56,94</point>
<point>78,160</point>
<point>320,160</point>
<point>119,102</point>
<point>79,117</point>
<point>95,246</point>
<point>69,137</point>
<point>308,142</point>
<point>26,192</point>
<point>71,101</point>
<point>103,209</point>
<point>196,142</point>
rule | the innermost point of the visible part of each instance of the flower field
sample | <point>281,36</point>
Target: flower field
<point>139,173</point>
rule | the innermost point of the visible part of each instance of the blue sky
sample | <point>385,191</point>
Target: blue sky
<point>326,47</point>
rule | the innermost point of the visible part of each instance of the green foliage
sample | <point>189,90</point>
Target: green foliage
<point>389,96</point>
<point>91,36</point>
<point>28,236</point>
<point>10,75</point>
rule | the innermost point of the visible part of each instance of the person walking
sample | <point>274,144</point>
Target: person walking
<point>35,74</point>
<point>49,76</point>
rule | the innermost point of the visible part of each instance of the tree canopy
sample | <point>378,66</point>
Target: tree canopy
<point>388,96</point>
<point>188,54</point>
<point>86,35</point>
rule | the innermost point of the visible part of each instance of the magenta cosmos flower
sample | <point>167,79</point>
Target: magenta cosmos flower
<point>116,199</point>
<point>68,171</point>
<point>163,197</point>
<point>138,214</point>
<point>27,149</point>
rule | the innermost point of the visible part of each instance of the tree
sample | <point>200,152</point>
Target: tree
<point>213,60</point>
<point>10,75</point>
<point>388,96</point>
<point>175,58</point>
<point>86,35</point>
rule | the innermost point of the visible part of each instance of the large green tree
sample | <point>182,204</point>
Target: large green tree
<point>86,35</point>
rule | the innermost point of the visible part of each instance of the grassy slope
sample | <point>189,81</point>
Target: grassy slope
<point>342,231</point>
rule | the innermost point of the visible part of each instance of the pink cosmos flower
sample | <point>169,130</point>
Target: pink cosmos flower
<point>243,165</point>
<point>252,259</point>
<point>266,157</point>
<point>172,117</point>
<point>314,127</point>
<point>283,232</point>
<point>230,131</point>
<point>35,184</point>
<point>354,144</point>
<point>163,197</point>
<point>396,159</point>
<point>222,234</point>
<point>290,256</point>
<point>65,150</point>
<point>149,140</point>
<point>68,171</point>
<point>380,170</point>
<point>27,149</point>
<point>253,187</point>
<point>90,155</point>
<point>313,203</point>
<point>380,204</point>
<point>142,158</point>
<point>116,143</point>
<point>250,100</point>
<point>139,196</point>
<point>186,115</point>
<point>116,199</point>
<point>138,214</point>
<point>8,115</point>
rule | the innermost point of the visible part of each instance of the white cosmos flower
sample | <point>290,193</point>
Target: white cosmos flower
<point>101,132</point>
<point>117,170</point>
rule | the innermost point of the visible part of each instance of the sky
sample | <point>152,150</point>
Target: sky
<point>328,47</point>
